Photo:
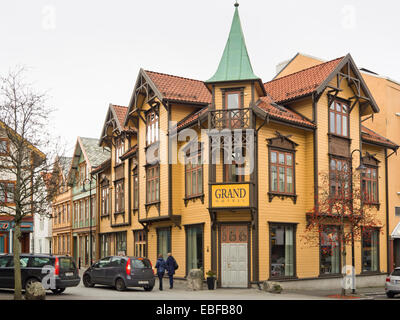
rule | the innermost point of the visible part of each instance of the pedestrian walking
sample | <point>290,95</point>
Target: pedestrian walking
<point>171,267</point>
<point>160,266</point>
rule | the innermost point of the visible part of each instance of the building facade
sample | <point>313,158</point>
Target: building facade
<point>386,92</point>
<point>87,155</point>
<point>174,183</point>
<point>7,186</point>
<point>62,210</point>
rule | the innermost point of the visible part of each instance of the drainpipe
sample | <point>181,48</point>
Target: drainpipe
<point>389,268</point>
<point>11,240</point>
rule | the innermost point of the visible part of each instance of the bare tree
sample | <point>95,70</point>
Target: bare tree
<point>24,128</point>
<point>342,213</point>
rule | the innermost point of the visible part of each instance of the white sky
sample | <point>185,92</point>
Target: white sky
<point>87,54</point>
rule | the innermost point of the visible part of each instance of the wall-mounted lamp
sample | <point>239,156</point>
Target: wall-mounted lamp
<point>398,114</point>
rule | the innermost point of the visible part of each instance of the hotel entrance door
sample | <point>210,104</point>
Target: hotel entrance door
<point>234,256</point>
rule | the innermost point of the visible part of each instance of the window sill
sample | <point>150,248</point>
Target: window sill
<point>371,273</point>
<point>105,216</point>
<point>193,198</point>
<point>330,275</point>
<point>119,213</point>
<point>373,204</point>
<point>272,195</point>
<point>289,278</point>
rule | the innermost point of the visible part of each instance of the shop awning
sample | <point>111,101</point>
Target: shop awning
<point>396,232</point>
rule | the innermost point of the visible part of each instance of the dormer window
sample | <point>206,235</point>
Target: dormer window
<point>339,119</point>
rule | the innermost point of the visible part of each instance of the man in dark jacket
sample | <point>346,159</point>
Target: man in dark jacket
<point>160,266</point>
<point>171,266</point>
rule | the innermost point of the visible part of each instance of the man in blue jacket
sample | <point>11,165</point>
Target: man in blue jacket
<point>160,266</point>
<point>171,267</point>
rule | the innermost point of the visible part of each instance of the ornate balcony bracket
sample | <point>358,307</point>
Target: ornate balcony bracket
<point>156,204</point>
<point>188,199</point>
<point>282,196</point>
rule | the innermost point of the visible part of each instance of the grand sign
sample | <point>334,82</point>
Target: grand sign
<point>230,195</point>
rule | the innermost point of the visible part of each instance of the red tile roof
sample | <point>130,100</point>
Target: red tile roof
<point>180,89</point>
<point>129,153</point>
<point>282,113</point>
<point>120,111</point>
<point>191,118</point>
<point>300,83</point>
<point>368,135</point>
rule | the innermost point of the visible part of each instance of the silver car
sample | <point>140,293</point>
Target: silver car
<point>392,285</point>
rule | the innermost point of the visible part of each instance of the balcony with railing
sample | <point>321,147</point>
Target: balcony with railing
<point>231,119</point>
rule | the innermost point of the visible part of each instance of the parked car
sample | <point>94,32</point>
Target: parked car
<point>65,271</point>
<point>121,272</point>
<point>392,285</point>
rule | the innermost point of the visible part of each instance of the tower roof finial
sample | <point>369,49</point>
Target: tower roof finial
<point>236,4</point>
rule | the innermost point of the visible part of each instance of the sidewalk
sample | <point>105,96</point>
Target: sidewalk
<point>361,293</point>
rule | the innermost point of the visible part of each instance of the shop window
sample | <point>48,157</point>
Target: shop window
<point>120,243</point>
<point>163,241</point>
<point>330,250</point>
<point>194,248</point>
<point>282,241</point>
<point>140,243</point>
<point>370,250</point>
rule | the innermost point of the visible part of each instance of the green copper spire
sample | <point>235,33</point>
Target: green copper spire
<point>235,63</point>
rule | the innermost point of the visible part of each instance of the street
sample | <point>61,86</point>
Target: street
<point>180,292</point>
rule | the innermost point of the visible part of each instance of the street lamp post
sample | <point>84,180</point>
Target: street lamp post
<point>360,168</point>
<point>91,215</point>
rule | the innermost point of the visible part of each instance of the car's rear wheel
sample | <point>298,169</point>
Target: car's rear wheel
<point>120,284</point>
<point>148,288</point>
<point>29,282</point>
<point>87,281</point>
<point>58,291</point>
<point>390,294</point>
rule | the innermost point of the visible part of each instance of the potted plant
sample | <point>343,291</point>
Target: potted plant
<point>211,277</point>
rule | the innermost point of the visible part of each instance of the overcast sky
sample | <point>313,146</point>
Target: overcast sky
<point>87,54</point>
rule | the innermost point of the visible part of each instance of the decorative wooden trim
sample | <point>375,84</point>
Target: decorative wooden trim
<point>282,196</point>
<point>193,199</point>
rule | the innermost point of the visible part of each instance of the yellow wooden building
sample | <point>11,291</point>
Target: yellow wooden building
<point>175,183</point>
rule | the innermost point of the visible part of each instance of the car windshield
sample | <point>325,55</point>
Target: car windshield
<point>396,273</point>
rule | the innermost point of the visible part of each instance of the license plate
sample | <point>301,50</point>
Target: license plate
<point>143,282</point>
<point>69,274</point>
